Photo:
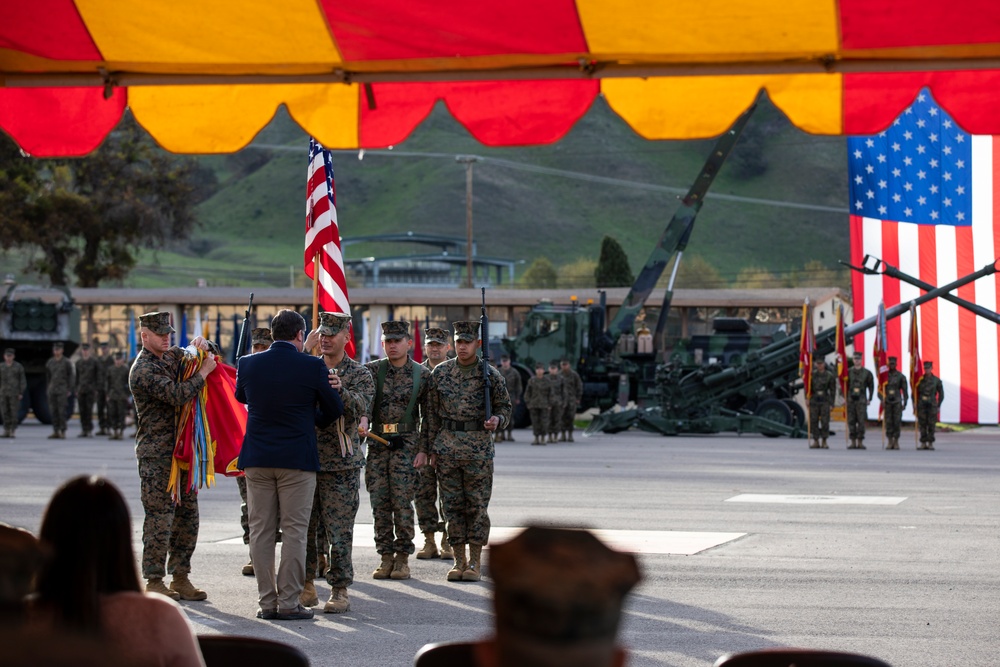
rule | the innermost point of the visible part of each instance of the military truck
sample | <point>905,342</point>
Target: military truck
<point>614,366</point>
<point>32,318</point>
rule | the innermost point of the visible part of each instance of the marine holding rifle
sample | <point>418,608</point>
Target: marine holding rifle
<point>397,417</point>
<point>461,445</point>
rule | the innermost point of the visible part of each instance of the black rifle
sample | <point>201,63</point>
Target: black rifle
<point>484,337</point>
<point>245,330</point>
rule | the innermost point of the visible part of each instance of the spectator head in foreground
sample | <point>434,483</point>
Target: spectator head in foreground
<point>558,598</point>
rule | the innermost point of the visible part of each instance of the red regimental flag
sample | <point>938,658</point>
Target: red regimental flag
<point>843,368</point>
<point>323,252</point>
<point>916,363</point>
<point>806,344</point>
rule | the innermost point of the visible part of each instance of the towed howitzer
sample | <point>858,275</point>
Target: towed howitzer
<point>755,396</point>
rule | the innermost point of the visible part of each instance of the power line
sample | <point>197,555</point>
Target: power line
<point>576,175</point>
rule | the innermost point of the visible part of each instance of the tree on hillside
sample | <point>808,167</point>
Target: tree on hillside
<point>755,277</point>
<point>540,275</point>
<point>817,274</point>
<point>694,273</point>
<point>612,266</point>
<point>91,216</point>
<point>579,273</point>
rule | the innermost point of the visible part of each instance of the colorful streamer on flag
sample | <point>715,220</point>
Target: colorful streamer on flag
<point>323,253</point>
<point>807,342</point>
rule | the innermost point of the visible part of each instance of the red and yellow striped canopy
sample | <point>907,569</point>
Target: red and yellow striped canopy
<point>205,76</point>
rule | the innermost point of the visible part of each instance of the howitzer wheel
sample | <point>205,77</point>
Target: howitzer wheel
<point>775,410</point>
<point>798,414</point>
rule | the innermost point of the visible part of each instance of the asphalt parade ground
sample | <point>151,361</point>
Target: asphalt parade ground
<point>745,542</point>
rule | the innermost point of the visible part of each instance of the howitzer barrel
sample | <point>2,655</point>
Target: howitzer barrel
<point>901,308</point>
<point>894,272</point>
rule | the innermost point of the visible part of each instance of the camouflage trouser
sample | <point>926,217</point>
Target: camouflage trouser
<point>857,414</point>
<point>555,418</point>
<point>426,502</point>
<point>85,402</point>
<point>567,417</point>
<point>391,481</point>
<point>335,507</point>
<point>8,411</point>
<point>466,487</point>
<point>103,414</point>
<point>169,532</point>
<point>819,419</point>
<point>893,418</point>
<point>58,406</point>
<point>539,420</point>
<point>115,418</point>
<point>927,416</point>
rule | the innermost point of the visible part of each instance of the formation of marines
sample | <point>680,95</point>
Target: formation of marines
<point>552,401</point>
<point>860,388</point>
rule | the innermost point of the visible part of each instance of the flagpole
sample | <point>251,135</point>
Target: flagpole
<point>315,311</point>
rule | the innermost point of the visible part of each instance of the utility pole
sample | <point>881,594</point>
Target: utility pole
<point>468,161</point>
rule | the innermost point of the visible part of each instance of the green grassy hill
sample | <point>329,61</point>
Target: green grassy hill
<point>251,230</point>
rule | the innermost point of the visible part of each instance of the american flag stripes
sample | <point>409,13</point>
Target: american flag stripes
<point>922,199</point>
<point>323,236</point>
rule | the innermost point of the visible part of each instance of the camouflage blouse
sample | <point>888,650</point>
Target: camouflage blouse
<point>457,395</point>
<point>339,443</point>
<point>157,394</point>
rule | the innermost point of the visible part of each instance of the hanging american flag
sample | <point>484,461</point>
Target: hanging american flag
<point>323,236</point>
<point>922,199</point>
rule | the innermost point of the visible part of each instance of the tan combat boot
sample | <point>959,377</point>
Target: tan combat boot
<point>186,589</point>
<point>510,436</point>
<point>861,445</point>
<point>384,569</point>
<point>814,445</point>
<point>474,571</point>
<point>853,445</point>
<point>447,553</point>
<point>569,436</point>
<point>157,586</point>
<point>338,602</point>
<point>248,569</point>
<point>400,567</point>
<point>823,444</point>
<point>308,596</point>
<point>455,573</point>
<point>498,436</point>
<point>429,549</point>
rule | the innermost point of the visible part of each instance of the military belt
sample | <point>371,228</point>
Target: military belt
<point>392,429</point>
<point>450,425</point>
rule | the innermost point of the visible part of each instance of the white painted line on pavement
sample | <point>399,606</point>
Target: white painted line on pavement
<point>675,542</point>
<point>815,500</point>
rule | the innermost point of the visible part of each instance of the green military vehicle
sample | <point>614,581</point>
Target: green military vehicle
<point>32,318</point>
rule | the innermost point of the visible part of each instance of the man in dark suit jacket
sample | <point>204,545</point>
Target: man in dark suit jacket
<point>288,394</point>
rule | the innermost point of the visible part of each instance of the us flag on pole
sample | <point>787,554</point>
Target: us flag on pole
<point>922,199</point>
<point>323,235</point>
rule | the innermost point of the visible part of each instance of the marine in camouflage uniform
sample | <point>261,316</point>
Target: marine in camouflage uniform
<point>822,395</point>
<point>538,400</point>
<point>430,514</point>
<point>559,399</point>
<point>89,375</point>
<point>572,393</point>
<point>117,393</point>
<point>13,384</point>
<point>397,415</point>
<point>515,389</point>
<point>103,418</point>
<point>260,340</point>
<point>169,532</point>
<point>928,396</point>
<point>893,403</point>
<point>60,379</point>
<point>461,446</point>
<point>860,388</point>
<point>341,458</point>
